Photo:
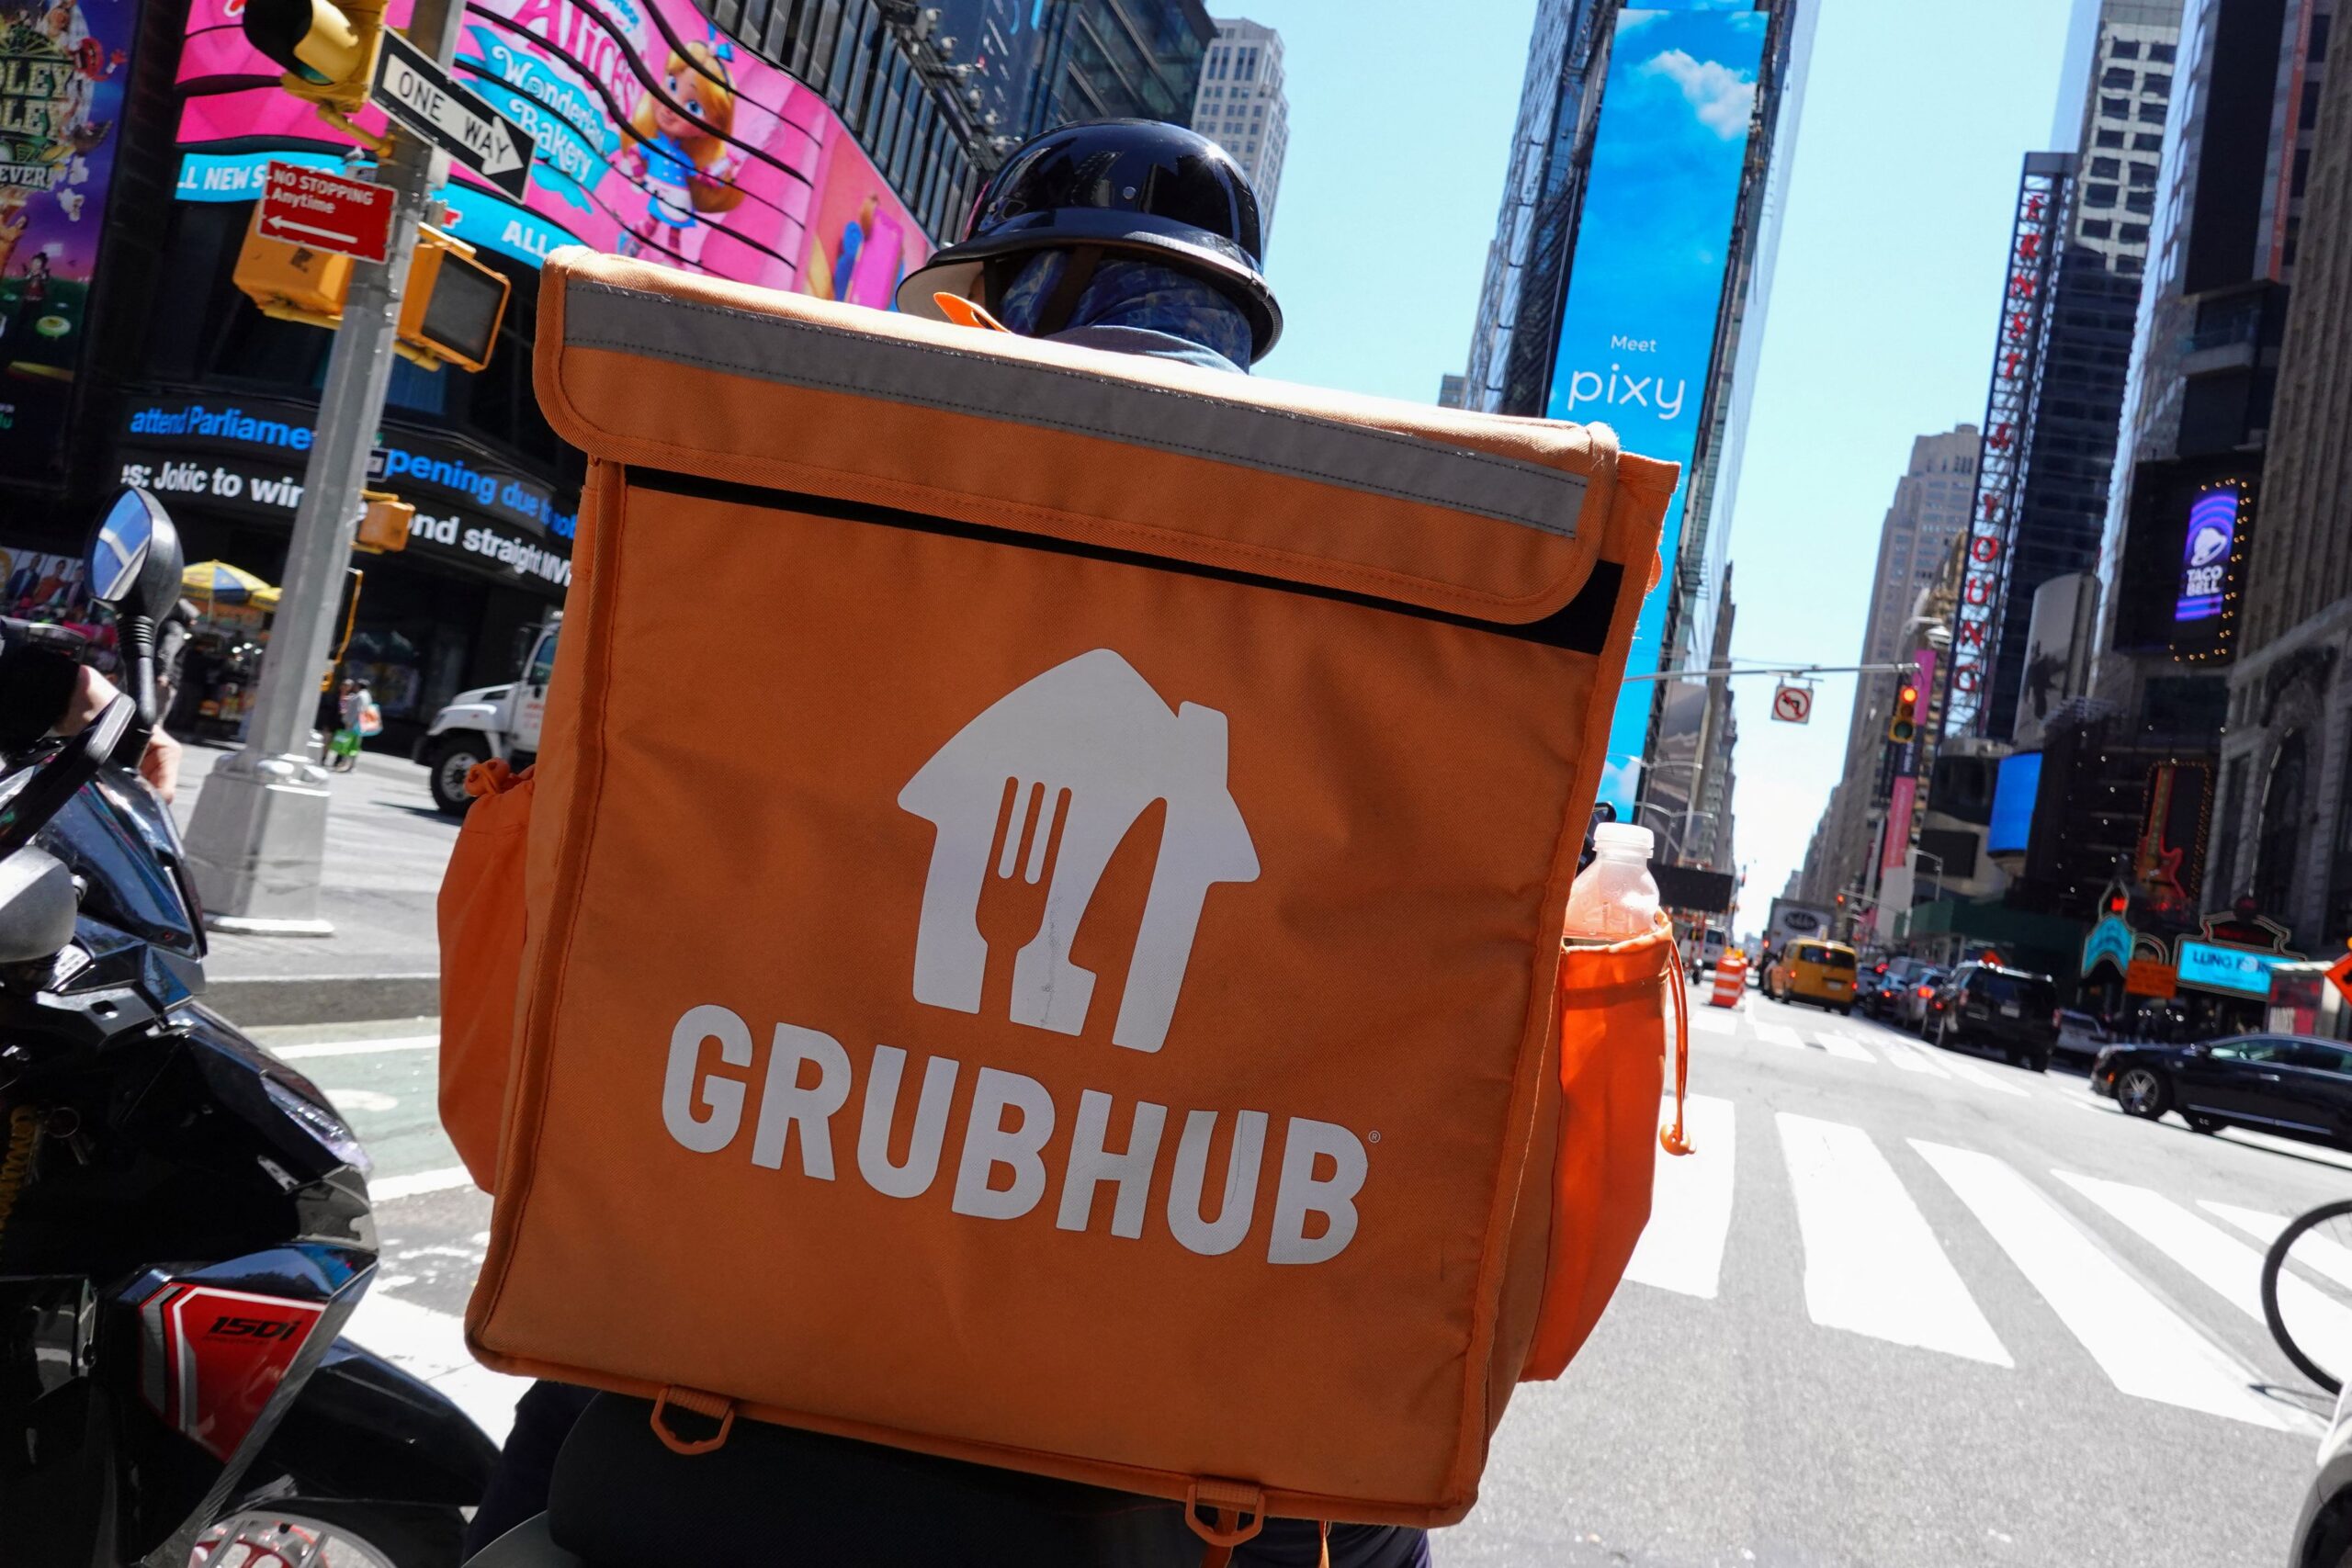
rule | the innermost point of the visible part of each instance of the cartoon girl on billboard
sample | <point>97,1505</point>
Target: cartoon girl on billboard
<point>681,158</point>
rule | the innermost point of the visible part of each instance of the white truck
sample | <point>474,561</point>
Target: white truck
<point>490,721</point>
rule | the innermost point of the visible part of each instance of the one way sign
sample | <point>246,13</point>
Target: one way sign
<point>428,100</point>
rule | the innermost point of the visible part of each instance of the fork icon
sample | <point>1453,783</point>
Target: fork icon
<point>1038,791</point>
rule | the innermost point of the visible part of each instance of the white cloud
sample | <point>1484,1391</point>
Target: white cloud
<point>1725,99</point>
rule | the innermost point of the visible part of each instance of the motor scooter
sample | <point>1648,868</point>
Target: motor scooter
<point>185,1226</point>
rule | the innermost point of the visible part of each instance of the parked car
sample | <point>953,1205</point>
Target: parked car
<point>1817,972</point>
<point>2295,1085</point>
<point>2011,1011</point>
<point>1916,1007</point>
<point>2081,1035</point>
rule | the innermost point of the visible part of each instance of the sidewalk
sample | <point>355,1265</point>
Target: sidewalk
<point>386,849</point>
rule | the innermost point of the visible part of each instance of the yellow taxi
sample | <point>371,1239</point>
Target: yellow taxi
<point>1818,972</point>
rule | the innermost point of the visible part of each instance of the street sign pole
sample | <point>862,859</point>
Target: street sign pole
<point>257,842</point>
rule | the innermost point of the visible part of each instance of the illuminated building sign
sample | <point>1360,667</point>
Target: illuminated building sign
<point>2233,969</point>
<point>2205,555</point>
<point>1646,285</point>
<point>2017,356</point>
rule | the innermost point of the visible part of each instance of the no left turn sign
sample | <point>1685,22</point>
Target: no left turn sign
<point>1792,704</point>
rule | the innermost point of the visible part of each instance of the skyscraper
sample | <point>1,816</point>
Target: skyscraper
<point>2068,317</point>
<point>1928,511</point>
<point>1241,106</point>
<point>1040,64</point>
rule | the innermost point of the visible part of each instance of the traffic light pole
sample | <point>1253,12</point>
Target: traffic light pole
<point>257,842</point>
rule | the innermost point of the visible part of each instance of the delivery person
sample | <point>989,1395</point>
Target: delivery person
<point>1131,237</point>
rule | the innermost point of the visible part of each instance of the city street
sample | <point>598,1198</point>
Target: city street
<point>1903,1306</point>
<point>1909,1307</point>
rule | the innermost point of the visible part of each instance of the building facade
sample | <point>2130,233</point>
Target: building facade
<point>1242,105</point>
<point>2287,757</point>
<point>848,146</point>
<point>1917,541</point>
<point>1024,66</point>
<point>2243,150</point>
<point>2065,444</point>
<point>1516,333</point>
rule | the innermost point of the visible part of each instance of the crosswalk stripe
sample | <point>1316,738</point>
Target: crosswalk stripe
<point>1682,1250</point>
<point>355,1047</point>
<point>1899,1051</point>
<point>1969,1071</point>
<point>1838,1045</point>
<point>2145,1348</point>
<point>2225,1263</point>
<point>1870,1263</point>
<point>1713,1022</point>
<point>432,1345</point>
<point>1777,1035</point>
<point>2314,1251</point>
<point>1921,1057</point>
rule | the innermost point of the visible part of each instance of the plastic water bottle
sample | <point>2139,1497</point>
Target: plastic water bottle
<point>1614,898</point>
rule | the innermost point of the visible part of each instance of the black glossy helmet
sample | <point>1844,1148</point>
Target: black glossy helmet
<point>1132,188</point>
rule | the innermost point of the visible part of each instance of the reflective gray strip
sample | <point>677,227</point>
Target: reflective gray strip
<point>597,315</point>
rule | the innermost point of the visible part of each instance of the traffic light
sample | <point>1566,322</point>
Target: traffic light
<point>385,525</point>
<point>292,283</point>
<point>450,312</point>
<point>327,50</point>
<point>1900,728</point>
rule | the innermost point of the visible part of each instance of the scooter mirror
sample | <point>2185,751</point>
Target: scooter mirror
<point>134,557</point>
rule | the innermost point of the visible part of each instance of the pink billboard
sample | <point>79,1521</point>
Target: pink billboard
<point>658,136</point>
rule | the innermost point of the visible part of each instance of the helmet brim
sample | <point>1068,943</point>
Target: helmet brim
<point>1208,257</point>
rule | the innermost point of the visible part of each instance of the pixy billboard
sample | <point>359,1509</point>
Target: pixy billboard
<point>1638,331</point>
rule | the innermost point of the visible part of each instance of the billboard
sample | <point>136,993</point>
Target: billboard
<point>1646,285</point>
<point>2013,797</point>
<point>2000,473</point>
<point>2205,553</point>
<point>2062,640</point>
<point>659,135</point>
<point>62,72</point>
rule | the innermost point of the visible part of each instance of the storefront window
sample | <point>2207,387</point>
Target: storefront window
<point>2281,832</point>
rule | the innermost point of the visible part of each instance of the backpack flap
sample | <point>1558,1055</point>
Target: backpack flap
<point>1046,886</point>
<point>1471,515</point>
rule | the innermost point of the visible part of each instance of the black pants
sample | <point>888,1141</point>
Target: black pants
<point>548,1411</point>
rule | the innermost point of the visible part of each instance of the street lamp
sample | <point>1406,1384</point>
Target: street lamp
<point>1928,854</point>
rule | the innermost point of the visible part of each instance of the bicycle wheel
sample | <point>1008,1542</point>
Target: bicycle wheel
<point>2304,1318</point>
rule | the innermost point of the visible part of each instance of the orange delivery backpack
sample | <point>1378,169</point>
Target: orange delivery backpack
<point>1035,934</point>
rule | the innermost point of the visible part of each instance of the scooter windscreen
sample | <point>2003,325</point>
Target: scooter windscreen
<point>46,786</point>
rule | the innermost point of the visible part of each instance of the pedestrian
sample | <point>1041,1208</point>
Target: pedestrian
<point>1130,237</point>
<point>360,719</point>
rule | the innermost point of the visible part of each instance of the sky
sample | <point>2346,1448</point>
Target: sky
<point>1879,327</point>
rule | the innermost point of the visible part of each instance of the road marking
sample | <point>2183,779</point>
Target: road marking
<point>2312,1249</point>
<point>1899,1051</point>
<point>1776,1035</point>
<point>1963,1068</point>
<point>1682,1247</point>
<point>1924,1058</point>
<point>2223,1262</point>
<point>355,1047</point>
<point>1712,1023</point>
<point>362,1100</point>
<point>1838,1045</point>
<point>432,1345</point>
<point>1870,1263</point>
<point>2145,1348</point>
<point>417,1183</point>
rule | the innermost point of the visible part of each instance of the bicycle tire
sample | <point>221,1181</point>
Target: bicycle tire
<point>2275,1259</point>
